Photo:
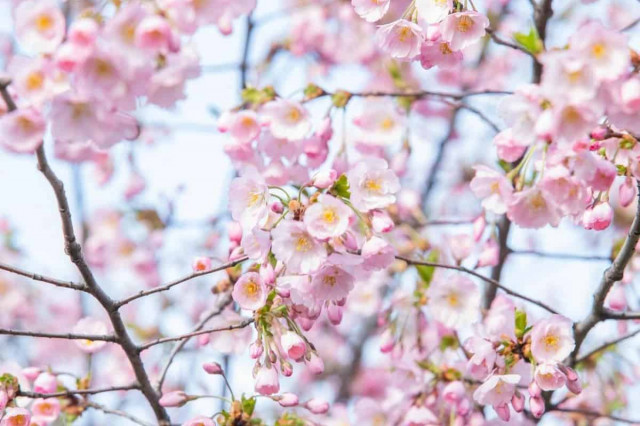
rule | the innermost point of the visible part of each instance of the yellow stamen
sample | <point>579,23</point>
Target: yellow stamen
<point>373,185</point>
<point>303,244</point>
<point>598,50</point>
<point>251,289</point>
<point>44,23</point>
<point>34,81</point>
<point>329,215</point>
<point>465,24</point>
<point>445,49</point>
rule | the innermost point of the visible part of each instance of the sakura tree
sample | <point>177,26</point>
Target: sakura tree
<point>376,212</point>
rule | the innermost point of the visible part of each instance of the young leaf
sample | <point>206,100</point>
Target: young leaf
<point>530,42</point>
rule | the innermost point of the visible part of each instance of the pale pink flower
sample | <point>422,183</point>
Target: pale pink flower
<point>249,199</point>
<point>199,421</point>
<point>521,111</point>
<point>328,218</point>
<point>154,33</point>
<point>102,76</point>
<point>317,406</point>
<point>567,122</point>
<point>549,377</point>
<point>567,192</point>
<point>439,52</point>
<point>552,339</point>
<point>90,325</point>
<point>243,125</point>
<point>31,80</point>
<point>167,85</point>
<point>567,75</point>
<point>533,208</point>
<point>14,416</point>
<point>497,390</point>
<point>420,416</point>
<point>287,119</point>
<point>493,188</point>
<point>293,345</point>
<point>250,292</point>
<point>461,246</point>
<point>83,32</point>
<point>462,29</point>
<point>598,217</point>
<point>39,25</point>
<point>45,383</point>
<point>499,323</point>
<point>288,399</point>
<point>267,381</point>
<point>433,11</point>
<point>377,254</point>
<point>315,364</point>
<point>400,39</point>
<point>372,184</point>
<point>381,222</point>
<point>454,300</point>
<point>509,148</point>
<point>46,409</point>
<point>371,10</point>
<point>201,264</point>
<point>379,124</point>
<point>331,283</point>
<point>256,244</point>
<point>22,130</point>
<point>296,248</point>
<point>606,50</point>
<point>324,179</point>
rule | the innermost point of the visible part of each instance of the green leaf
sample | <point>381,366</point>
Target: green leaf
<point>448,342</point>
<point>426,272</point>
<point>248,405</point>
<point>341,98</point>
<point>521,323</point>
<point>312,91</point>
<point>530,42</point>
<point>341,187</point>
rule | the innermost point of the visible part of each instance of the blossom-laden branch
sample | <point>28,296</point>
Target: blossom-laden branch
<point>37,277</point>
<point>73,392</point>
<point>482,277</point>
<point>66,336</point>
<point>174,283</point>
<point>242,324</point>
<point>73,249</point>
<point>611,275</point>
<point>607,345</point>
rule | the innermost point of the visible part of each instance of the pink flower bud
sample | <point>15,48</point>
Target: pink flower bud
<point>256,349</point>
<point>537,406</point>
<point>616,299</point>
<point>212,368</point>
<point>324,179</point>
<point>627,192</point>
<point>83,32</point>
<point>288,399</point>
<point>479,226</point>
<point>534,390</point>
<point>490,254</point>
<point>153,33</point>
<point>350,241</point>
<point>30,373</point>
<point>267,273</point>
<point>174,399</point>
<point>599,133</point>
<point>277,207</point>
<point>45,383</point>
<point>453,392</point>
<point>460,246</point>
<point>4,400</point>
<point>315,364</point>
<point>317,406</point>
<point>571,374</point>
<point>286,368</point>
<point>574,386</point>
<point>503,412</point>
<point>517,401</point>
<point>201,264</point>
<point>388,342</point>
<point>293,344</point>
<point>334,313</point>
<point>267,381</point>
<point>235,232</point>
<point>203,339</point>
<point>598,218</point>
<point>381,222</point>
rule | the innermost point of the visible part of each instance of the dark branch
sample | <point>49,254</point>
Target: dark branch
<point>42,278</point>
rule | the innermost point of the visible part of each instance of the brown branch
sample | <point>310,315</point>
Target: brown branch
<point>174,283</point>
<point>65,336</point>
<point>74,250</point>
<point>623,316</point>
<point>491,281</point>
<point>226,300</point>
<point>42,278</point>
<point>568,256</point>
<point>73,392</point>
<point>611,275</point>
<point>499,40</point>
<point>195,333</point>
<point>118,413</point>
<point>606,345</point>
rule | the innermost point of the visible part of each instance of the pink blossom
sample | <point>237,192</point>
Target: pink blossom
<point>90,325</point>
<point>454,392</point>
<point>256,244</point>
<point>331,283</point>
<point>250,292</point>
<point>509,148</point>
<point>461,246</point>
<point>46,409</point>
<point>489,254</point>
<point>616,299</point>
<point>454,300</point>
<point>293,345</point>
<point>212,368</point>
<point>533,208</point>
<point>483,359</point>
<point>287,119</point>
<point>83,32</point>
<point>497,390</point>
<point>400,39</point>
<point>420,416</point>
<point>22,130</point>
<point>627,192</point>
<point>371,10</point>
<point>324,179</point>
<point>327,218</point>
<point>249,199</point>
<point>549,377</point>
<point>288,399</point>
<point>462,29</point>
<point>243,126</point>
<point>315,364</point>
<point>537,406</point>
<point>317,406</point>
<point>377,254</point>
<point>14,416</point>
<point>599,217</point>
<point>381,222</point>
<point>493,188</point>
<point>201,264</point>
<point>32,80</point>
<point>439,52</point>
<point>153,33</point>
<point>267,381</point>
<point>606,50</point>
<point>372,184</point>
<point>199,421</point>
<point>552,339</point>
<point>296,248</point>
<point>433,11</point>
<point>39,25</point>
<point>174,399</point>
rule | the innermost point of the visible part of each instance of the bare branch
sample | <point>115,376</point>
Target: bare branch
<point>118,413</point>
<point>499,40</point>
<point>613,274</point>
<point>568,256</point>
<point>178,281</point>
<point>609,314</point>
<point>42,278</point>
<point>64,336</point>
<point>195,333</point>
<point>631,25</point>
<point>606,345</point>
<point>73,392</point>
<point>482,277</point>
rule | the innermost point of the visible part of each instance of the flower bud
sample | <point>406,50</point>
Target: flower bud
<point>288,399</point>
<point>503,412</point>
<point>201,264</point>
<point>537,406</point>
<point>627,192</point>
<point>324,179</point>
<point>315,364</point>
<point>534,390</point>
<point>293,344</point>
<point>381,222</point>
<point>256,349</point>
<point>267,381</point>
<point>317,406</point>
<point>517,401</point>
<point>212,368</point>
<point>45,383</point>
<point>174,399</point>
<point>598,218</point>
<point>286,368</point>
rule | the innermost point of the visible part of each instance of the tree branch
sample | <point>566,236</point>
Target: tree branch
<point>72,392</point>
<point>606,345</point>
<point>568,256</point>
<point>119,413</point>
<point>491,281</point>
<point>499,40</point>
<point>42,278</point>
<point>174,283</point>
<point>65,336</point>
<point>611,275</point>
<point>595,414</point>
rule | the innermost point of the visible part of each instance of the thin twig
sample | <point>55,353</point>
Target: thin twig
<point>174,283</point>
<point>499,40</point>
<point>42,278</point>
<point>606,345</point>
<point>568,256</point>
<point>67,336</point>
<point>72,392</point>
<point>118,413</point>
